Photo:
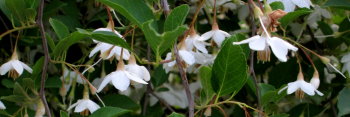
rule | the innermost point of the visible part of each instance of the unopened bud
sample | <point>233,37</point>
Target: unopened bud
<point>40,109</point>
<point>315,80</point>
<point>267,7</point>
<point>257,12</point>
<point>325,60</point>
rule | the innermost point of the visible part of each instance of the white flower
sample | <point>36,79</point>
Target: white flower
<point>108,50</point>
<point>2,106</point>
<point>170,65</point>
<point>14,67</point>
<point>217,34</point>
<point>301,85</point>
<point>196,41</point>
<point>140,71</point>
<point>315,80</point>
<point>120,78</point>
<point>187,56</point>
<point>261,43</point>
<point>289,5</point>
<point>84,104</point>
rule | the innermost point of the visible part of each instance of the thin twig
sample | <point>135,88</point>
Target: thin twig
<point>47,57</point>
<point>184,82</point>
<point>17,29</point>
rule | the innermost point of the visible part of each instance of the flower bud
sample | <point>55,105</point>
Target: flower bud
<point>325,60</point>
<point>257,12</point>
<point>207,112</point>
<point>315,80</point>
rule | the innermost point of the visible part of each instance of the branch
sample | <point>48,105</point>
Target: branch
<point>16,29</point>
<point>47,57</point>
<point>184,82</point>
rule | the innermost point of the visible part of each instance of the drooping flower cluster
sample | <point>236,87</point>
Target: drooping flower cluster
<point>14,67</point>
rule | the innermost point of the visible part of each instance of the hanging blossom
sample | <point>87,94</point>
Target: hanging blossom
<point>107,50</point>
<point>120,78</point>
<point>138,70</point>
<point>216,34</point>
<point>263,43</point>
<point>289,5</point>
<point>2,106</point>
<point>300,86</point>
<point>85,105</point>
<point>14,67</point>
<point>195,41</point>
<point>169,66</point>
<point>67,79</point>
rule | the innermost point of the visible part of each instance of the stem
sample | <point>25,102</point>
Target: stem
<point>47,57</point>
<point>17,29</point>
<point>184,82</point>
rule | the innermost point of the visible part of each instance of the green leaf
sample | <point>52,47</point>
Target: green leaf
<point>343,4</point>
<point>230,68</point>
<point>271,96</point>
<point>343,102</point>
<point>280,75</point>
<point>205,78</point>
<point>287,19</point>
<point>60,28</point>
<point>109,112</point>
<point>111,38</point>
<point>17,9</point>
<point>134,10</point>
<point>174,114</point>
<point>63,114</point>
<point>159,76</point>
<point>65,43</point>
<point>161,42</point>
<point>176,18</point>
<point>277,5</point>
<point>37,68</point>
<point>120,101</point>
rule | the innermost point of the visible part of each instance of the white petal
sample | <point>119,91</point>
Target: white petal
<point>315,82</point>
<point>258,43</point>
<point>74,105</point>
<point>17,66</point>
<point>289,6</point>
<point>92,106</point>
<point>122,82</point>
<point>5,68</point>
<point>2,106</point>
<point>279,49</point>
<point>189,43</point>
<point>207,35</point>
<point>345,58</point>
<point>319,93</point>
<point>26,67</point>
<point>146,73</point>
<point>134,77</point>
<point>284,88</point>
<point>187,57</point>
<point>95,50</point>
<point>308,88</point>
<point>200,46</point>
<point>126,54</point>
<point>247,40</point>
<point>219,38</point>
<point>302,3</point>
<point>81,106</point>
<point>105,81</point>
<point>292,87</point>
<point>224,33</point>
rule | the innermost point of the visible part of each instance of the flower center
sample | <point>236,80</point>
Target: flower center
<point>264,55</point>
<point>299,94</point>
<point>85,112</point>
<point>13,74</point>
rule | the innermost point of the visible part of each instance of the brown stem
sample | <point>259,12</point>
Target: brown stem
<point>184,82</point>
<point>214,12</point>
<point>47,57</point>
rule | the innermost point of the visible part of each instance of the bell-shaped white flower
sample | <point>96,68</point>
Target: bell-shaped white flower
<point>186,55</point>
<point>194,40</point>
<point>289,5</point>
<point>2,106</point>
<point>120,78</point>
<point>262,43</point>
<point>216,34</point>
<point>108,51</point>
<point>300,86</point>
<point>138,70</point>
<point>315,80</point>
<point>84,105</point>
<point>14,67</point>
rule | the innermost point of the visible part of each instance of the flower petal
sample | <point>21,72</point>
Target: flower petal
<point>2,106</point>
<point>302,3</point>
<point>105,81</point>
<point>187,57</point>
<point>5,68</point>
<point>17,66</point>
<point>219,38</point>
<point>319,93</point>
<point>284,88</point>
<point>74,105</point>
<point>292,87</point>
<point>200,45</point>
<point>259,43</point>
<point>247,40</point>
<point>289,6</point>
<point>26,67</point>
<point>207,35</point>
<point>81,106</point>
<point>146,74</point>
<point>92,106</point>
<point>134,77</point>
<point>308,88</point>
<point>279,49</point>
<point>121,82</point>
